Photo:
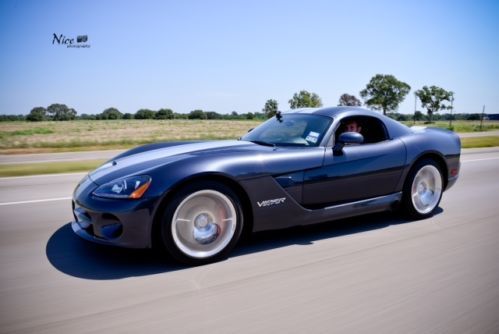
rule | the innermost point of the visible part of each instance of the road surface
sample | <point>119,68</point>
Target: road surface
<point>373,274</point>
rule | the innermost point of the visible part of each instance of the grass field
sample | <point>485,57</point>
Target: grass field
<point>27,137</point>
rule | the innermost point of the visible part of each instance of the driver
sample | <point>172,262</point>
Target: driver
<point>352,126</point>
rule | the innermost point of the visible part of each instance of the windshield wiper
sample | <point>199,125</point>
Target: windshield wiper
<point>261,142</point>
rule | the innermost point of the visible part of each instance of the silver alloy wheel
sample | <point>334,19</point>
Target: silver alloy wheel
<point>204,223</point>
<point>426,189</point>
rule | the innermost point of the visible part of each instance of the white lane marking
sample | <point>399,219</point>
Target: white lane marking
<point>484,159</point>
<point>37,201</point>
<point>41,175</point>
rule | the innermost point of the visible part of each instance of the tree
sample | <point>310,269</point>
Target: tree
<point>259,115</point>
<point>433,99</point>
<point>305,99</point>
<point>472,117</point>
<point>213,115</point>
<point>145,114</point>
<point>9,118</point>
<point>111,113</point>
<point>127,115</point>
<point>418,116</point>
<point>197,114</point>
<point>384,92</point>
<point>164,114</point>
<point>180,116</point>
<point>349,100</point>
<point>37,114</point>
<point>250,115</point>
<point>270,108</point>
<point>61,112</point>
<point>88,117</point>
<point>399,117</point>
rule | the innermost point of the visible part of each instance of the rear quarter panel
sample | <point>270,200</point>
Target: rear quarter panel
<point>432,141</point>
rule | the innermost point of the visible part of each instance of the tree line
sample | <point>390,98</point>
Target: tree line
<point>383,92</point>
<point>61,112</point>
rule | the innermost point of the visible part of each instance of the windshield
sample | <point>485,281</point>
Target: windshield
<point>290,130</point>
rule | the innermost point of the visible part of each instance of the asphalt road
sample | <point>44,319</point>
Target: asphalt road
<point>373,274</point>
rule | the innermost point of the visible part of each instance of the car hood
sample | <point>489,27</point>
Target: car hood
<point>129,164</point>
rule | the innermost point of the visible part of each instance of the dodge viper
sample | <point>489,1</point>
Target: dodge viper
<point>305,166</point>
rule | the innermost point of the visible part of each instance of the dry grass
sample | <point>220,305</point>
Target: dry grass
<point>24,137</point>
<point>27,137</point>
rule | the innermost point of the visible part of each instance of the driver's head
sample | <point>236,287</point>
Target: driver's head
<point>352,126</point>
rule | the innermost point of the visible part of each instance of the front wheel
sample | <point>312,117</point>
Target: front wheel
<point>202,223</point>
<point>423,189</point>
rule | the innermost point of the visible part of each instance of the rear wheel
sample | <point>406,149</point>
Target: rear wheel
<point>423,189</point>
<point>202,223</point>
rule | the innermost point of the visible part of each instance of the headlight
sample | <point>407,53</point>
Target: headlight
<point>132,187</point>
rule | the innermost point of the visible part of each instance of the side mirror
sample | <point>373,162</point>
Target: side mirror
<point>347,138</point>
<point>250,130</point>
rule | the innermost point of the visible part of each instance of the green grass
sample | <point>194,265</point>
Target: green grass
<point>472,142</point>
<point>48,168</point>
<point>25,132</point>
<point>30,132</point>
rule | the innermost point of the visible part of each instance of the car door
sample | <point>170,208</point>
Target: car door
<point>361,172</point>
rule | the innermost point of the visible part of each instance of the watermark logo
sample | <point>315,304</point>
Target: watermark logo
<point>79,42</point>
<point>81,39</point>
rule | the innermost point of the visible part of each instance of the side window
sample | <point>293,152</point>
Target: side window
<point>371,128</point>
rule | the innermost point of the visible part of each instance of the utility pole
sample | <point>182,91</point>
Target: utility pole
<point>481,117</point>
<point>415,102</point>
<point>451,109</point>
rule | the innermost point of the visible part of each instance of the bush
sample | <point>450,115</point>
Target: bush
<point>197,114</point>
<point>111,113</point>
<point>164,114</point>
<point>145,114</point>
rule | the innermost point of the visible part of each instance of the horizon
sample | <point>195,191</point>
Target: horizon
<point>223,56</point>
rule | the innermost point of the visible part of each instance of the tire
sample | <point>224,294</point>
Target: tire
<point>423,189</point>
<point>202,223</point>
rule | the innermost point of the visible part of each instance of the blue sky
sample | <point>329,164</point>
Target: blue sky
<point>234,55</point>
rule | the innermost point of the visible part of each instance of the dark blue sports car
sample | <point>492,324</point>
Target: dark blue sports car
<point>301,167</point>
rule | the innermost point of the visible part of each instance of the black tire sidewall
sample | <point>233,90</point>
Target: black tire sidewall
<point>409,208</point>
<point>166,222</point>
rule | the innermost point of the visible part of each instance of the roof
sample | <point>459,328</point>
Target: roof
<point>334,112</point>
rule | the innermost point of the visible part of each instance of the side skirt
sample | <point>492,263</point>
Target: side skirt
<point>370,205</point>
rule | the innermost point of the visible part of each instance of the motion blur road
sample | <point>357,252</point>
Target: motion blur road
<point>372,274</point>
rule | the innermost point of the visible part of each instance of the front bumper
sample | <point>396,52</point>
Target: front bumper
<point>117,222</point>
<point>126,229</point>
